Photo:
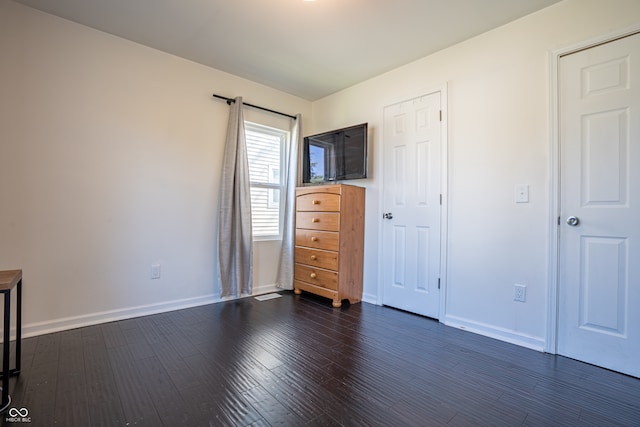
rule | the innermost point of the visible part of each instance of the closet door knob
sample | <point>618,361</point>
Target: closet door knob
<point>573,221</point>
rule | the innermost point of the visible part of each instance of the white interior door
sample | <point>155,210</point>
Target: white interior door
<point>412,205</point>
<point>599,277</point>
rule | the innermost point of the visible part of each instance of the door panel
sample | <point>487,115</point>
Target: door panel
<point>599,277</point>
<point>603,285</point>
<point>604,151</point>
<point>412,188</point>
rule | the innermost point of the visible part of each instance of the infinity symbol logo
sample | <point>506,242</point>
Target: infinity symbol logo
<point>22,412</point>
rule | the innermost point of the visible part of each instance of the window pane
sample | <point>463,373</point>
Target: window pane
<point>265,215</point>
<point>264,151</point>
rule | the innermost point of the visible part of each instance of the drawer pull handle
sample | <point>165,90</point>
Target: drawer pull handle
<point>312,275</point>
<point>315,219</point>
<point>314,239</point>
<point>313,257</point>
<point>316,202</point>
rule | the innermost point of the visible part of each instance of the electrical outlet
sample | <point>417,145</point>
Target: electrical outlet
<point>520,293</point>
<point>155,271</point>
<point>522,193</point>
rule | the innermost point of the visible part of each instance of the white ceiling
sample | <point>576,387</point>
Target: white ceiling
<point>308,49</point>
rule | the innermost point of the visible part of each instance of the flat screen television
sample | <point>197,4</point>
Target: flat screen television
<point>336,155</point>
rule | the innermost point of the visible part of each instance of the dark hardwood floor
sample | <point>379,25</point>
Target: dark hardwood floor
<point>296,361</point>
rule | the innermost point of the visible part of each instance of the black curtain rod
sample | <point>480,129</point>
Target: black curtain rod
<point>231,101</point>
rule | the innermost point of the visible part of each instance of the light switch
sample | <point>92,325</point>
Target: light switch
<point>155,271</point>
<point>522,193</point>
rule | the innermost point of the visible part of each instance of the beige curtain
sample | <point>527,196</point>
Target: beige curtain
<point>235,240</point>
<point>284,279</point>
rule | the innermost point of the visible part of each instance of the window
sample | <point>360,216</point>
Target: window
<point>265,148</point>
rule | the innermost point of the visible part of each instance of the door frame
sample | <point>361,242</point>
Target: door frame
<point>553,312</point>
<point>444,212</point>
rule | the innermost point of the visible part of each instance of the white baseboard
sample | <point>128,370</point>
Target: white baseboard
<point>57,325</point>
<point>370,298</point>
<point>265,289</point>
<point>523,340</point>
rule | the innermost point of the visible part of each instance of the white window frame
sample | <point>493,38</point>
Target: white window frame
<point>269,184</point>
<point>273,169</point>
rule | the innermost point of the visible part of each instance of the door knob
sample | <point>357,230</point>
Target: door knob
<point>573,221</point>
<point>387,215</point>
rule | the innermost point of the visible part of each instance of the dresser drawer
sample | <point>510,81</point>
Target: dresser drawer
<point>318,290</point>
<point>316,276</point>
<point>327,221</point>
<point>317,239</point>
<point>318,202</point>
<point>317,258</point>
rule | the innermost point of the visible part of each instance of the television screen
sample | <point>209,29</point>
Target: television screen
<point>335,156</point>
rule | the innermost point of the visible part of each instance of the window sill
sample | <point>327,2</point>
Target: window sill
<point>267,238</point>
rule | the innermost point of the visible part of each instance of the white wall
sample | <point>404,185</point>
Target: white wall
<point>110,157</point>
<point>499,137</point>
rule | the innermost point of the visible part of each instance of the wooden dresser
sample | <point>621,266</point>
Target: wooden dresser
<point>330,241</point>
